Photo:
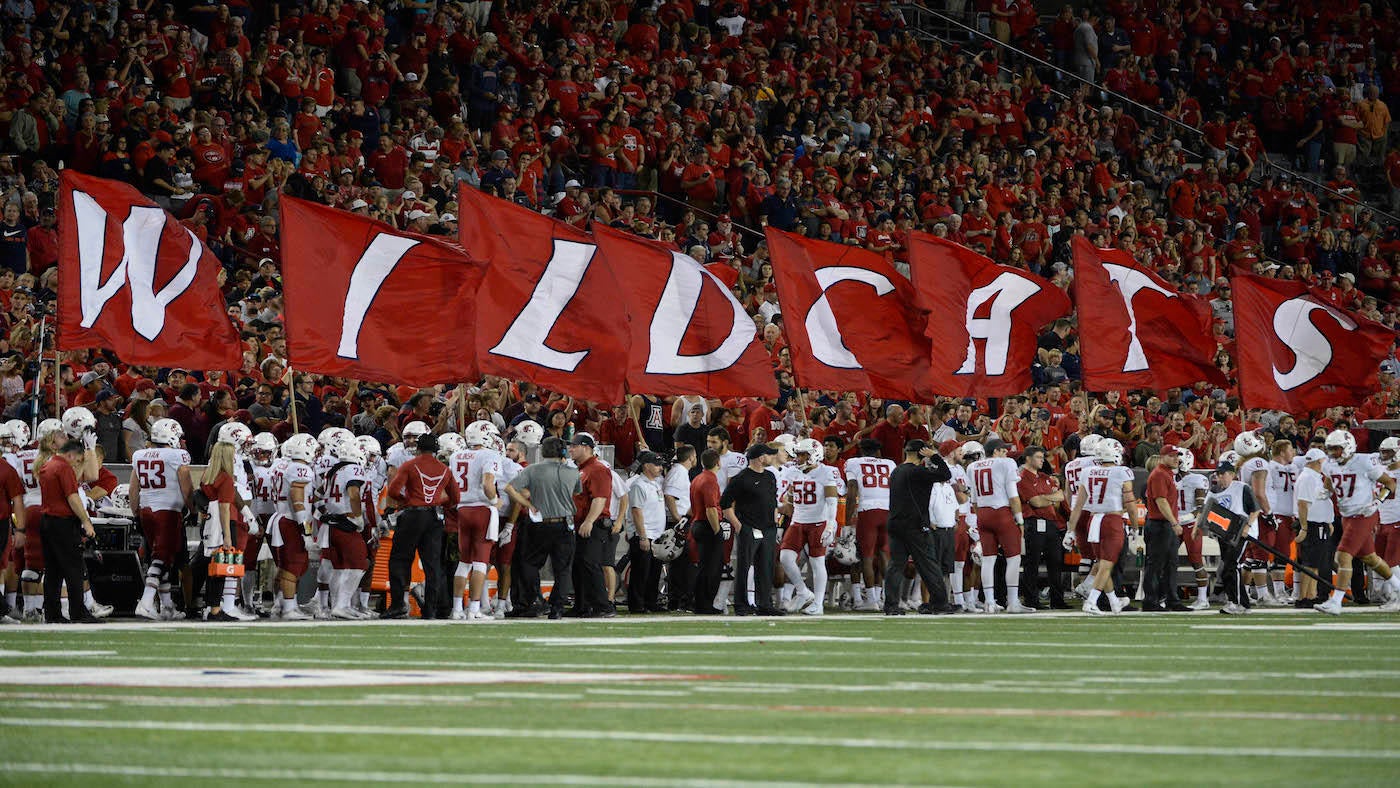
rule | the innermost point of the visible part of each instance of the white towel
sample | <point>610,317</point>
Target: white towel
<point>1095,523</point>
<point>493,531</point>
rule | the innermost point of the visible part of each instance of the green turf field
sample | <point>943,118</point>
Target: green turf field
<point>1182,700</point>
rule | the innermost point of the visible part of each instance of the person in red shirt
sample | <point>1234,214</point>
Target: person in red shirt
<point>595,530</point>
<point>890,432</point>
<point>419,488</point>
<point>1163,534</point>
<point>389,162</point>
<point>11,505</point>
<point>65,524</point>
<point>707,532</point>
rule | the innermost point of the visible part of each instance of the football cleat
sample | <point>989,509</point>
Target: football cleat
<point>1234,609</point>
<point>147,610</point>
<point>1269,600</point>
<point>1331,607</point>
<point>100,610</point>
<point>993,608</point>
<point>1082,590</point>
<point>295,614</point>
<point>1093,609</point>
<point>479,616</point>
<point>35,616</point>
<point>344,614</point>
<point>812,610</point>
<point>458,615</point>
<point>172,614</point>
<point>239,613</point>
<point>8,619</point>
<point>1117,603</point>
<point>1200,604</point>
<point>799,601</point>
<point>1015,606</point>
<point>1393,606</point>
<point>869,606</point>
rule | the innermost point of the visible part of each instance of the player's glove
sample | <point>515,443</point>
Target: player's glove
<point>89,438</point>
<point>972,532</point>
<point>846,532</point>
<point>1267,520</point>
<point>1068,541</point>
<point>829,535</point>
<point>507,533</point>
<point>975,555</point>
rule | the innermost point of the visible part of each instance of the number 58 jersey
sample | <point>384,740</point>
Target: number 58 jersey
<point>870,475</point>
<point>157,471</point>
<point>808,490</point>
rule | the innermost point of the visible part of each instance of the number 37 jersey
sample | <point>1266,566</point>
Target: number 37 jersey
<point>870,475</point>
<point>157,471</point>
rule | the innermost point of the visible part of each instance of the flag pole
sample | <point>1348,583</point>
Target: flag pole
<point>57,384</point>
<point>291,381</point>
<point>461,407</point>
<point>39,377</point>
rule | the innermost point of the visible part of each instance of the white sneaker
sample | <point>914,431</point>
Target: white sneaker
<point>1093,609</point>
<point>1331,607</point>
<point>458,615</point>
<point>799,601</point>
<point>908,606</point>
<point>1200,604</point>
<point>993,608</point>
<point>1269,600</point>
<point>295,614</point>
<point>147,610</point>
<point>1082,590</point>
<point>172,614</point>
<point>1117,606</point>
<point>100,610</point>
<point>812,610</point>
<point>869,606</point>
<point>1015,606</point>
<point>241,614</point>
<point>35,616</point>
<point>344,614</point>
<point>479,616</point>
<point>1393,606</point>
<point>365,615</point>
<point>7,620</point>
<point>1234,609</point>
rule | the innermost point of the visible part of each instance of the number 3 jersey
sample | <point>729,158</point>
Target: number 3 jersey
<point>157,471</point>
<point>470,466</point>
<point>808,488</point>
<point>870,475</point>
<point>1103,488</point>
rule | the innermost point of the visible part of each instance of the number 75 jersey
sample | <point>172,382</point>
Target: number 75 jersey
<point>870,475</point>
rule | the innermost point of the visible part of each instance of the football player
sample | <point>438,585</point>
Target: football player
<point>1354,481</point>
<point>1000,521</point>
<point>12,496</point>
<point>29,552</point>
<point>263,506</point>
<point>1191,489</point>
<point>1283,474</point>
<point>376,479</point>
<point>159,487</point>
<point>293,481</point>
<point>868,512</point>
<point>811,500</point>
<point>1238,497</point>
<point>476,467</point>
<point>513,461</point>
<point>402,452</point>
<point>1388,537</point>
<point>343,517</point>
<point>326,458</point>
<point>1254,471</point>
<point>964,580</point>
<point>1074,472</point>
<point>1106,494</point>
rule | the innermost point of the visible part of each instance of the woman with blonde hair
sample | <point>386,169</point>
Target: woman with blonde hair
<point>224,530</point>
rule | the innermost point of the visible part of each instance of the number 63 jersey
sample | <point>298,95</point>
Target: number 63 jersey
<point>157,471</point>
<point>870,475</point>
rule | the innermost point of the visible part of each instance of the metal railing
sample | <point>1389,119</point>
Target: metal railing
<point>923,20</point>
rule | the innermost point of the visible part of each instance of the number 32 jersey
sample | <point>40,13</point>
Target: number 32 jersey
<point>870,475</point>
<point>157,471</point>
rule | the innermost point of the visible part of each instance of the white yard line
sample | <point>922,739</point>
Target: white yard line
<point>262,727</point>
<point>361,777</point>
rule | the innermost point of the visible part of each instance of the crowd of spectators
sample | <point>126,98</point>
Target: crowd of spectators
<point>698,124</point>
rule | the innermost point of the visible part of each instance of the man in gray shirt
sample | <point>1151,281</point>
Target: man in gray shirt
<point>265,412</point>
<point>544,493</point>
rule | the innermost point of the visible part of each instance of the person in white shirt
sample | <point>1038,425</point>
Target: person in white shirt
<point>1191,491</point>
<point>680,575</point>
<point>1315,515</point>
<point>999,521</point>
<point>811,501</point>
<point>868,512</point>
<point>1355,478</point>
<point>1106,493</point>
<point>1238,497</point>
<point>1254,471</point>
<point>1279,489</point>
<point>648,506</point>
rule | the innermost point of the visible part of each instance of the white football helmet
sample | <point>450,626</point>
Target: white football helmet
<point>121,497</point>
<point>238,435</point>
<point>349,451</point>
<point>78,420</point>
<point>300,447</point>
<point>19,433</point>
<point>810,447</point>
<point>667,547</point>
<point>1247,444</point>
<point>1344,442</point>
<point>449,443</point>
<point>1231,456</point>
<point>473,435</point>
<point>332,437</point>
<point>486,426</point>
<point>1089,444</point>
<point>370,446</point>
<point>7,435</point>
<point>411,431</point>
<point>1188,460</point>
<point>972,450</point>
<point>1109,451</point>
<point>49,427</point>
<point>844,551</point>
<point>496,443</point>
<point>264,443</point>
<point>786,441</point>
<point>167,432</point>
<point>528,432</point>
<point>1388,449</point>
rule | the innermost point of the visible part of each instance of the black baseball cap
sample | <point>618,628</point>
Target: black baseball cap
<point>760,450</point>
<point>649,457</point>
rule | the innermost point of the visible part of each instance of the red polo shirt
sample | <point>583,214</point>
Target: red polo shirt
<point>57,481</point>
<point>595,481</point>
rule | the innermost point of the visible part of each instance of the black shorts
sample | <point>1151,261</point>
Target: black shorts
<point>610,548</point>
<point>1315,547</point>
<point>943,541</point>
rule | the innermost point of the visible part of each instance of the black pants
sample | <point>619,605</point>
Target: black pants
<point>758,555</point>
<point>918,545</point>
<point>1045,546</point>
<point>1231,579</point>
<point>643,578</point>
<point>553,542</point>
<point>590,587</point>
<point>1159,572</point>
<point>5,545</point>
<point>680,581</point>
<point>710,568</point>
<point>63,563</point>
<point>420,531</point>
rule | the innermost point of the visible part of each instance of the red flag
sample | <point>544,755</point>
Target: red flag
<point>984,318</point>
<point>850,318</point>
<point>134,280</point>
<point>1297,353</point>
<point>689,334</point>
<point>1143,334</point>
<point>556,318</point>
<point>366,301</point>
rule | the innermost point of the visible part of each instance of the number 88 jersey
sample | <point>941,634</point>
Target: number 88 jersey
<point>870,475</point>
